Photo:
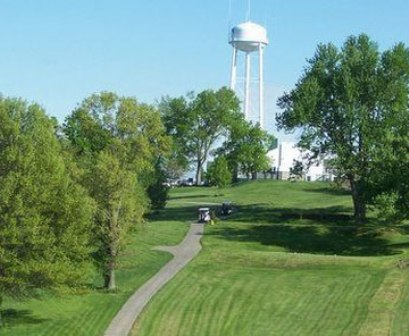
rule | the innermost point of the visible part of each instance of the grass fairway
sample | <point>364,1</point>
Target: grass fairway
<point>91,312</point>
<point>289,262</point>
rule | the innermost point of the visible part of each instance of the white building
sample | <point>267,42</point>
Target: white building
<point>287,154</point>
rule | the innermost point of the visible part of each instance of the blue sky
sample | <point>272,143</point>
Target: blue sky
<point>57,52</point>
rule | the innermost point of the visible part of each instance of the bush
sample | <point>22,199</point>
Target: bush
<point>218,173</point>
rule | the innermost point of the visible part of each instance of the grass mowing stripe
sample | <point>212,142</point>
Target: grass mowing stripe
<point>262,305</point>
<point>325,320</point>
<point>210,310</point>
<point>358,299</point>
<point>225,303</point>
<point>294,309</point>
<point>243,306</point>
<point>163,303</point>
<point>190,307</point>
<point>400,325</point>
<point>200,309</point>
<point>148,326</point>
<point>203,313</point>
<point>234,303</point>
<point>214,304</point>
<point>183,299</point>
<point>382,307</point>
<point>177,304</point>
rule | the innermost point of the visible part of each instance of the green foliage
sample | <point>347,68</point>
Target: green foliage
<point>352,104</point>
<point>121,205</point>
<point>171,110</point>
<point>218,173</point>
<point>158,190</point>
<point>117,142</point>
<point>196,122</point>
<point>246,148</point>
<point>385,207</point>
<point>45,218</point>
<point>88,312</point>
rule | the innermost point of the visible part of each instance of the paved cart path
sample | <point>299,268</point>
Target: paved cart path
<point>122,324</point>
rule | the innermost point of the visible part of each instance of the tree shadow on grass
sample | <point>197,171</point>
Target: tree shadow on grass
<point>325,230</point>
<point>14,317</point>
<point>347,241</point>
<point>183,213</point>
<point>260,213</point>
<point>329,191</point>
<point>329,230</point>
<point>187,196</point>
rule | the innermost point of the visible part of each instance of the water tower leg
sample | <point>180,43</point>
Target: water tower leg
<point>233,70</point>
<point>247,87</point>
<point>261,86</point>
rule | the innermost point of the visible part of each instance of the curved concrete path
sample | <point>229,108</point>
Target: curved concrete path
<point>122,324</point>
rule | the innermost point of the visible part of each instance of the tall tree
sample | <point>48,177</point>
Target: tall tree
<point>350,103</point>
<point>196,122</point>
<point>118,141</point>
<point>246,148</point>
<point>45,218</point>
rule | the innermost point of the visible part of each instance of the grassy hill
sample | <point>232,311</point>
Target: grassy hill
<point>289,262</point>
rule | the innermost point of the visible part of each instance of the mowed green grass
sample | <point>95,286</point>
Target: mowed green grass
<point>90,313</point>
<point>289,262</point>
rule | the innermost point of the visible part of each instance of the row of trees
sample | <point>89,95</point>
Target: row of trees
<point>70,194</point>
<point>211,124</point>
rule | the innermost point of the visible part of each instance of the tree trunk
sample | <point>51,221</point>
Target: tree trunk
<point>235,175</point>
<point>254,175</point>
<point>113,250</point>
<point>112,283</point>
<point>1,321</point>
<point>358,200</point>
<point>109,276</point>
<point>199,173</point>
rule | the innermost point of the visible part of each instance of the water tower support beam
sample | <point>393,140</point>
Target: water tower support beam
<point>233,70</point>
<point>261,86</point>
<point>247,87</point>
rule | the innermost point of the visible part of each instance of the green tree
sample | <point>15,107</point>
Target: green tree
<point>196,122</point>
<point>158,189</point>
<point>353,105</point>
<point>121,204</point>
<point>45,218</point>
<point>117,142</point>
<point>246,148</point>
<point>297,170</point>
<point>172,111</point>
<point>218,173</point>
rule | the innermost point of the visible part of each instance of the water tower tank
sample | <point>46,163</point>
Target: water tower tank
<point>248,36</point>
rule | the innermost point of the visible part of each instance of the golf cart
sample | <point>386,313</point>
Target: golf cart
<point>204,215</point>
<point>226,209</point>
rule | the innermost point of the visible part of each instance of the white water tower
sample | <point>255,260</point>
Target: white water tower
<point>249,38</point>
